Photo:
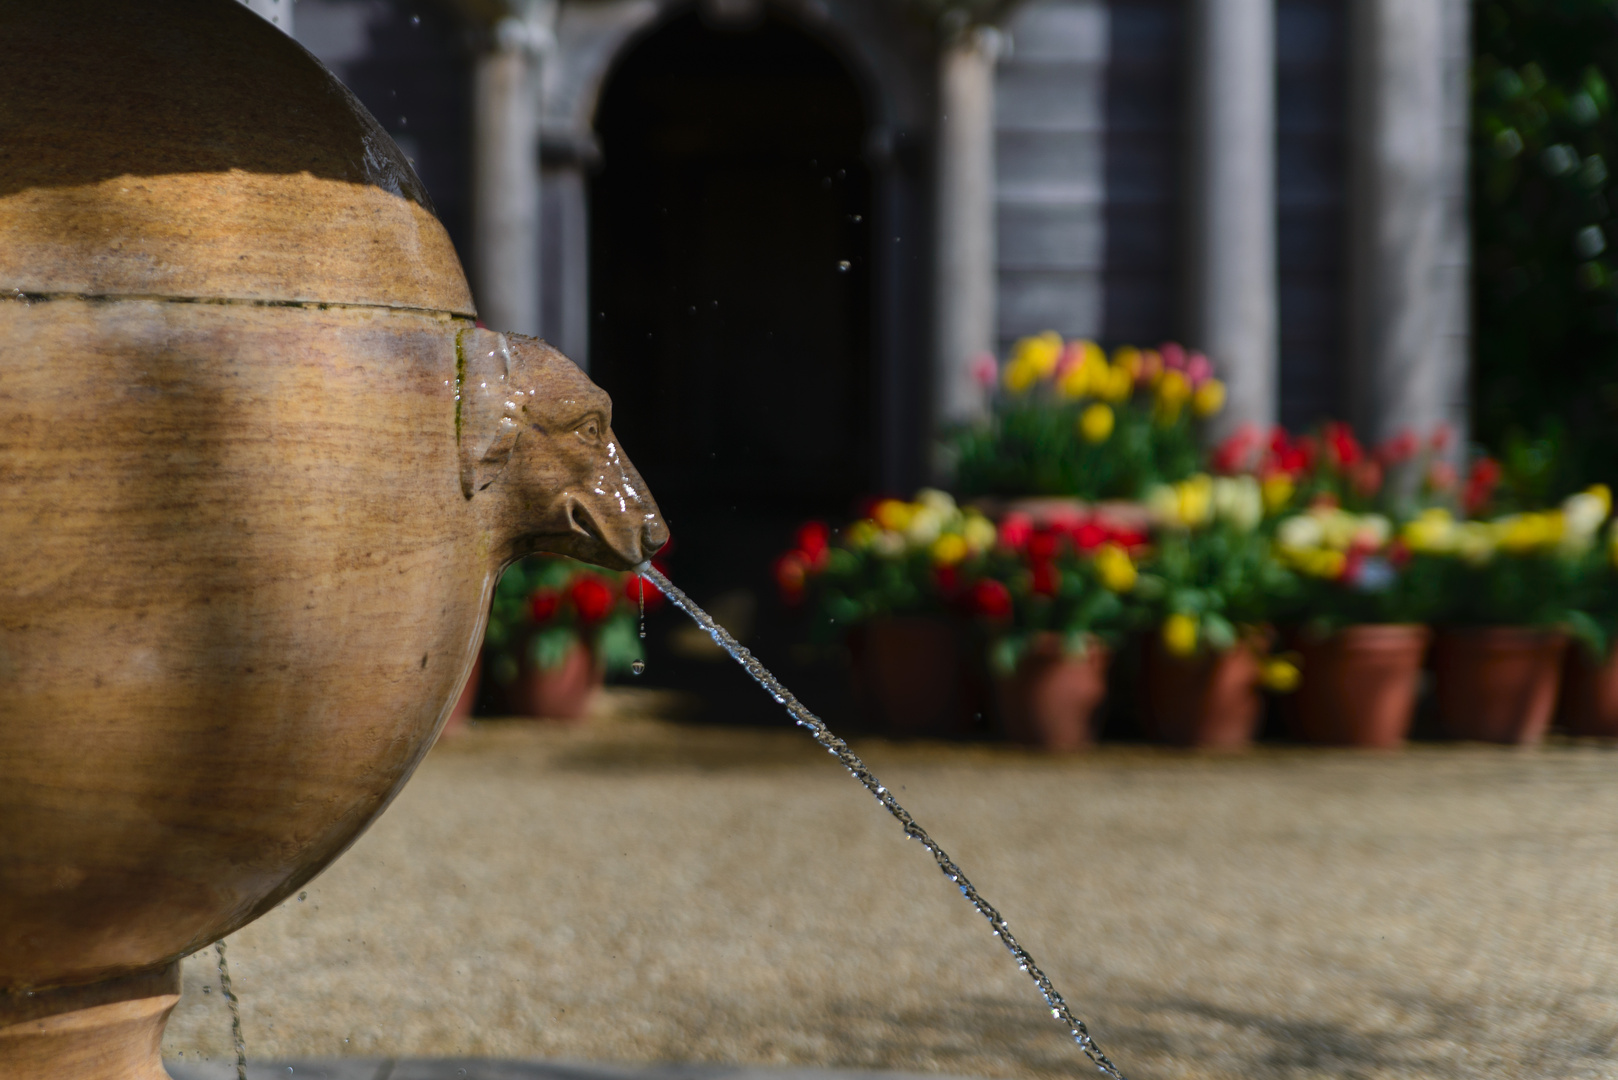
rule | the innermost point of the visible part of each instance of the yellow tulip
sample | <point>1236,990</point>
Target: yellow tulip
<point>1076,381</point>
<point>1094,356</point>
<point>893,515</point>
<point>861,533</point>
<point>949,549</point>
<point>1277,489</point>
<point>1019,376</point>
<point>1040,354</point>
<point>1325,563</point>
<point>1432,531</point>
<point>1196,499</point>
<point>1114,568</point>
<point>1173,388</point>
<point>1117,384</point>
<point>1604,493</point>
<point>1208,398</point>
<point>978,531</point>
<point>1280,675</point>
<point>1180,634</point>
<point>1127,358</point>
<point>1095,423</point>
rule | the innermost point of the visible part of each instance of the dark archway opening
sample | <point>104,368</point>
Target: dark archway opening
<point>731,291</point>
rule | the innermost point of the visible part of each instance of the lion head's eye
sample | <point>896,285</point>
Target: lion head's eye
<point>591,429</point>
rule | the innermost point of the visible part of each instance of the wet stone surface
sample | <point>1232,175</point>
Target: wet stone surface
<point>633,892</point>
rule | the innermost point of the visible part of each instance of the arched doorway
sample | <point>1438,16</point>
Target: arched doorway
<point>730,277</point>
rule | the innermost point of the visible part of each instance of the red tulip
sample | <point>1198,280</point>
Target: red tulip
<point>1366,476</point>
<point>1235,453</point>
<point>1089,536</point>
<point>1441,476</point>
<point>591,597</point>
<point>792,575</point>
<point>1047,578</point>
<point>1041,545</point>
<point>1015,531</point>
<point>1342,446</point>
<point>812,541</point>
<point>1399,449</point>
<point>636,587</point>
<point>543,604</point>
<point>991,598</point>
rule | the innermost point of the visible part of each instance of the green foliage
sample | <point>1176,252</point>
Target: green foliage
<point>1033,446</point>
<point>1545,141</point>
<point>1223,577</point>
<point>545,605</point>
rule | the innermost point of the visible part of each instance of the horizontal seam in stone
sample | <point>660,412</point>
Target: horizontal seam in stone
<point>320,305</point>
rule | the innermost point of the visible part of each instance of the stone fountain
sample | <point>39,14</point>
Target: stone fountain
<point>259,471</point>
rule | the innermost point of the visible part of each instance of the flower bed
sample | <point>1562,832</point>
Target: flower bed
<point>1109,525</point>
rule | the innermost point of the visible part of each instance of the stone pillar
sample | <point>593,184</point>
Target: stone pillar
<point>505,171</point>
<point>1230,308</point>
<point>566,159</point>
<point>964,244</point>
<point>1408,249</point>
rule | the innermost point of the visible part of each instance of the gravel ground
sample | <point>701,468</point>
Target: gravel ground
<point>631,891</point>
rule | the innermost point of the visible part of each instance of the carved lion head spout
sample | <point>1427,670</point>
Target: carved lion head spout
<point>537,447</point>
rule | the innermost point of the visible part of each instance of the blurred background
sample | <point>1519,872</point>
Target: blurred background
<point>777,232</point>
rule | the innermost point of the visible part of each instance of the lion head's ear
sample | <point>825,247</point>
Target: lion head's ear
<point>486,427</point>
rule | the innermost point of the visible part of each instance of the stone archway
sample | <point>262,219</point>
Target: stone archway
<point>757,270</point>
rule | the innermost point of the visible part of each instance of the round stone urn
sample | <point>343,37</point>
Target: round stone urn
<point>259,471</point>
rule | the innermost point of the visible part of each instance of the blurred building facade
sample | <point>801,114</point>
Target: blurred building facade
<point>778,231</point>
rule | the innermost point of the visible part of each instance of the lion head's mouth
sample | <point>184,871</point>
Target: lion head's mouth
<point>629,539</point>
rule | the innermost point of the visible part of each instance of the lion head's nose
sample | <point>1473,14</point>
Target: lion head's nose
<point>653,535</point>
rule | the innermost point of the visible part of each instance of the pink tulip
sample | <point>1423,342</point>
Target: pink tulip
<point>985,371</point>
<point>1197,368</point>
<point>1173,356</point>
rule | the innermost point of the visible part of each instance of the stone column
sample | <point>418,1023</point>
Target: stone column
<point>278,12</point>
<point>505,171</point>
<point>566,158</point>
<point>964,240</point>
<point>1408,248</point>
<point>1230,309</point>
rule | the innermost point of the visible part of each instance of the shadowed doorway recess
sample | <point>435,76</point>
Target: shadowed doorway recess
<point>730,287</point>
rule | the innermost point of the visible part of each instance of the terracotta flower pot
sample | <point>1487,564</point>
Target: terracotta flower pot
<point>1359,685</point>
<point>1209,700</point>
<point>261,470</point>
<point>1049,700</point>
<point>1497,683</point>
<point>917,676</point>
<point>1589,699</point>
<point>563,692</point>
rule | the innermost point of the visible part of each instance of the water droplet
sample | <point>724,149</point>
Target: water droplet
<point>843,265</point>
<point>638,667</point>
<point>302,897</point>
<point>207,989</point>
